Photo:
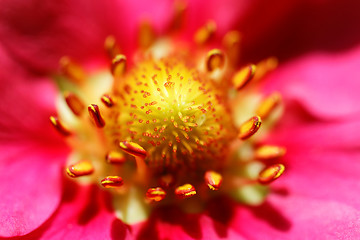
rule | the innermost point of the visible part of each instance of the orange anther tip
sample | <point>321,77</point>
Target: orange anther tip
<point>74,103</point>
<point>271,173</point>
<point>249,128</point>
<point>231,38</point>
<point>243,76</point>
<point>167,180</point>
<point>95,115</point>
<point>205,33</point>
<point>213,180</point>
<point>118,65</point>
<point>79,169</point>
<point>146,35</point>
<point>115,157</point>
<point>215,59</point>
<point>133,149</point>
<point>112,182</point>
<point>71,70</point>
<point>268,105</point>
<point>179,10</point>
<point>268,152</point>
<point>107,100</point>
<point>155,194</point>
<point>111,47</point>
<point>185,191</point>
<point>59,126</point>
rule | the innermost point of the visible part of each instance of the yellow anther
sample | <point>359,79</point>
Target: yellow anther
<point>133,149</point>
<point>115,157</point>
<point>112,182</point>
<point>107,100</point>
<point>59,126</point>
<point>74,103</point>
<point>268,105</point>
<point>111,47</point>
<point>146,35</point>
<point>271,173</point>
<point>179,12</point>
<point>249,128</point>
<point>205,33</point>
<point>265,66</point>
<point>79,169</point>
<point>243,76</point>
<point>213,180</point>
<point>185,191</point>
<point>215,60</point>
<point>231,43</point>
<point>72,70</point>
<point>95,115</point>
<point>155,194</point>
<point>268,152</point>
<point>118,65</point>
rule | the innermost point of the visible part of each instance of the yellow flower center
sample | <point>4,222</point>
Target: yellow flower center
<point>173,111</point>
<point>167,128</point>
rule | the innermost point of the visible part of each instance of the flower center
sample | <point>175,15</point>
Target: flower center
<point>172,111</point>
<point>167,128</point>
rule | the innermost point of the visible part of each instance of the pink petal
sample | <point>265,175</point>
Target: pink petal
<point>324,83</point>
<point>297,217</point>
<point>226,14</point>
<point>30,186</point>
<point>37,33</point>
<point>172,223</point>
<point>31,157</point>
<point>85,213</point>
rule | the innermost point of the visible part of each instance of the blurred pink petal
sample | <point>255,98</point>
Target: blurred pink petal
<point>85,213</point>
<point>30,163</point>
<point>325,83</point>
<point>289,28</point>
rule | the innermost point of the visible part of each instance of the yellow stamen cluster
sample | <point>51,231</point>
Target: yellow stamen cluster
<point>172,111</point>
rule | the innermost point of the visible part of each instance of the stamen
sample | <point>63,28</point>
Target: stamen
<point>167,180</point>
<point>74,103</point>
<point>140,154</point>
<point>215,59</point>
<point>72,70</point>
<point>115,157</point>
<point>271,173</point>
<point>95,115</point>
<point>111,47</point>
<point>249,128</point>
<point>265,66</point>
<point>185,191</point>
<point>213,180</point>
<point>243,76</point>
<point>268,105</point>
<point>107,100</point>
<point>112,182</point>
<point>59,126</point>
<point>231,43</point>
<point>79,169</point>
<point>146,35</point>
<point>118,65</point>
<point>155,194</point>
<point>268,152</point>
<point>133,149</point>
<point>179,12</point>
<point>205,33</point>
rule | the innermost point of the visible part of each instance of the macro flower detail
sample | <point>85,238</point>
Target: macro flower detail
<point>169,126</point>
<point>96,172</point>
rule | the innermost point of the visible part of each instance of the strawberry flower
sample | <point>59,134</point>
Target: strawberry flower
<point>314,198</point>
